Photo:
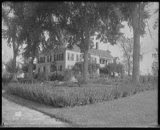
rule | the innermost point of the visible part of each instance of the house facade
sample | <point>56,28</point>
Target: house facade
<point>60,59</point>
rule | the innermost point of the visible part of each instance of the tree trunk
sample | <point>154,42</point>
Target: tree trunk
<point>14,78</point>
<point>136,47</point>
<point>129,68</point>
<point>85,49</point>
<point>85,66</point>
<point>31,69</point>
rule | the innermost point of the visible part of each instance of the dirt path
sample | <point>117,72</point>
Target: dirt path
<point>15,115</point>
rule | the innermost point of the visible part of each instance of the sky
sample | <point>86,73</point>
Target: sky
<point>148,44</point>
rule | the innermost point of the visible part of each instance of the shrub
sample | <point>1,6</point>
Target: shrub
<point>55,76</point>
<point>92,68</point>
<point>68,74</point>
<point>79,79</point>
<point>35,76</point>
<point>6,78</point>
<point>41,76</point>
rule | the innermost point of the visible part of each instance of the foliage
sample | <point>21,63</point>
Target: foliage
<point>12,24</point>
<point>9,67</point>
<point>55,76</point>
<point>126,44</point>
<point>86,19</point>
<point>66,96</point>
<point>113,67</point>
<point>128,9</point>
<point>78,68</point>
<point>155,63</point>
<point>41,76</point>
<point>67,74</point>
<point>6,78</point>
<point>25,67</point>
<point>135,14</point>
<point>75,23</point>
<point>11,21</point>
<point>156,24</point>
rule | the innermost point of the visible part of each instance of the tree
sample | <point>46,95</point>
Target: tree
<point>156,24</point>
<point>10,67</point>
<point>85,19</point>
<point>136,16</point>
<point>39,18</point>
<point>126,45</point>
<point>81,20</point>
<point>155,63</point>
<point>11,19</point>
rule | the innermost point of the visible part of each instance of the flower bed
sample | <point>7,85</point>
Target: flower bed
<point>63,96</point>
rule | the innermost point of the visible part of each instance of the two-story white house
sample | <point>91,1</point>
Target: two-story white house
<point>59,59</point>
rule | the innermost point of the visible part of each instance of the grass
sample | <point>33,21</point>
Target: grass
<point>63,96</point>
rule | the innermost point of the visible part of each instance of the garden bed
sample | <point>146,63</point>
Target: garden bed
<point>63,96</point>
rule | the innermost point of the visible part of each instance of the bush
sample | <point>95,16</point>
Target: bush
<point>6,78</point>
<point>41,76</point>
<point>35,76</point>
<point>54,77</point>
<point>68,74</point>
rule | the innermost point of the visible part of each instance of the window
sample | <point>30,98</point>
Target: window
<point>95,60</point>
<point>41,60</point>
<point>77,57</point>
<point>62,56</point>
<point>69,67</point>
<point>92,59</point>
<point>60,68</point>
<point>55,58</point>
<point>50,58</point>
<point>38,70</point>
<point>68,56</point>
<point>72,57</point>
<point>81,57</point>
<point>102,61</point>
<point>53,68</point>
<point>44,68</point>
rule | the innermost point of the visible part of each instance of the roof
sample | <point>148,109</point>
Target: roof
<point>46,52</point>
<point>74,48</point>
<point>97,52</point>
<point>101,53</point>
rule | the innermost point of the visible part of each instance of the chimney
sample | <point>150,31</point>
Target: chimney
<point>97,46</point>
